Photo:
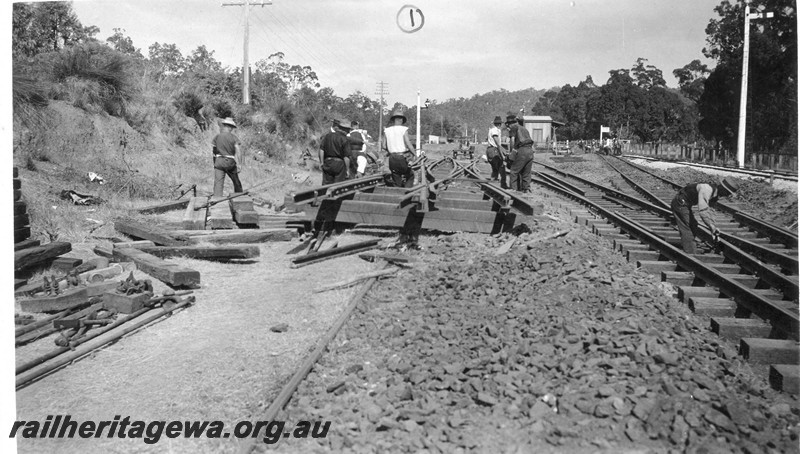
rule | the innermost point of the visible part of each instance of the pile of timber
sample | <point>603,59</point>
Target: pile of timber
<point>232,212</point>
<point>22,228</point>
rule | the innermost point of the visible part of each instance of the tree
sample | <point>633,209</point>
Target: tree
<point>202,60</point>
<point>647,76</point>
<point>294,77</point>
<point>123,44</point>
<point>166,60</point>
<point>772,88</point>
<point>691,79</point>
<point>46,26</point>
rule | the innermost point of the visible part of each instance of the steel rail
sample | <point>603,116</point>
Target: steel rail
<point>666,213</point>
<point>788,284</point>
<point>639,188</point>
<point>503,198</point>
<point>781,318</point>
<point>782,174</point>
<point>336,190</point>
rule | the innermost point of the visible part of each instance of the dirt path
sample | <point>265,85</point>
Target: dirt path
<point>216,360</point>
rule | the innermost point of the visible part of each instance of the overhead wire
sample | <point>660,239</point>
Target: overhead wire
<point>288,46</point>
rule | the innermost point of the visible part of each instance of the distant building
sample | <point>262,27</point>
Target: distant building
<point>542,128</point>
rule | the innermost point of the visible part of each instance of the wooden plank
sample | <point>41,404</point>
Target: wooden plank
<point>26,244</point>
<point>26,258</point>
<point>165,207</point>
<point>169,273</point>
<point>243,210</point>
<point>19,283</point>
<point>66,264</point>
<point>21,220</point>
<point>68,299</point>
<point>144,231</point>
<point>17,194</point>
<point>241,236</point>
<point>17,183</point>
<point>770,351</point>
<point>785,377</point>
<point>219,215</point>
<point>136,244</point>
<point>382,214</point>
<point>22,234</point>
<point>203,252</point>
<point>16,172</point>
<point>195,219</point>
<point>20,208</point>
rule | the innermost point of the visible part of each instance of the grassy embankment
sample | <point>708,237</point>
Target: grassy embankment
<point>85,110</point>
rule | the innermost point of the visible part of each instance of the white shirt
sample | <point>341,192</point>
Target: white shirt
<point>494,131</point>
<point>394,138</point>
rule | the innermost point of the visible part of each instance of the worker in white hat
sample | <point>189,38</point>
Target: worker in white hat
<point>226,149</point>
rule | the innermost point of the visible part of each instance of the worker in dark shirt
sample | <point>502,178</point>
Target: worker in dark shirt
<point>520,146</point>
<point>700,195</point>
<point>334,153</point>
<point>225,150</point>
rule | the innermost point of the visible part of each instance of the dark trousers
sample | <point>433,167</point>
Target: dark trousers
<point>402,174</point>
<point>520,170</point>
<point>333,171</point>
<point>499,170</point>
<point>687,224</point>
<point>219,179</point>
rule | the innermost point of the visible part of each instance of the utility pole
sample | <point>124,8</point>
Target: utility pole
<point>381,90</point>
<point>743,95</point>
<point>419,144</point>
<point>246,61</point>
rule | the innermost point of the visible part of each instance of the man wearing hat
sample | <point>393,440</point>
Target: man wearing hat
<point>226,148</point>
<point>358,150</point>
<point>397,143</point>
<point>495,154</point>
<point>334,153</point>
<point>520,147</point>
<point>700,195</point>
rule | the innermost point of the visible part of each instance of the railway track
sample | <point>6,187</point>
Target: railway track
<point>749,287</point>
<point>422,382</point>
<point>776,174</point>
<point>453,198</point>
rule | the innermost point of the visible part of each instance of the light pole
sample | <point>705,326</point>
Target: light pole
<point>419,144</point>
<point>743,95</point>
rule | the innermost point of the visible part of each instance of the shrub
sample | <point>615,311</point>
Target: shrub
<point>92,74</point>
<point>285,116</point>
<point>188,102</point>
<point>222,108</point>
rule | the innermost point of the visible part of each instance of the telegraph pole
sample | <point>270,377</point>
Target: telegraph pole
<point>381,90</point>
<point>246,61</point>
<point>743,95</point>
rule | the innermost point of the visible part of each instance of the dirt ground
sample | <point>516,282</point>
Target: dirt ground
<point>216,360</point>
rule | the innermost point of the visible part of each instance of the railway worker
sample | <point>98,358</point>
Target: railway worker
<point>520,147</point>
<point>699,195</point>
<point>400,149</point>
<point>226,148</point>
<point>334,153</point>
<point>495,153</point>
<point>358,151</point>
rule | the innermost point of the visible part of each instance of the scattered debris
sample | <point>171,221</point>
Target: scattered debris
<point>80,199</point>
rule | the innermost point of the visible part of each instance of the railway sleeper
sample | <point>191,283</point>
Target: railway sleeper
<point>785,377</point>
<point>739,328</point>
<point>728,319</point>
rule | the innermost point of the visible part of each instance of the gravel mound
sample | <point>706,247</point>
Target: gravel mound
<point>556,346</point>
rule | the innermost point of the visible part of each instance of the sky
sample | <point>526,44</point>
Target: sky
<point>463,47</point>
